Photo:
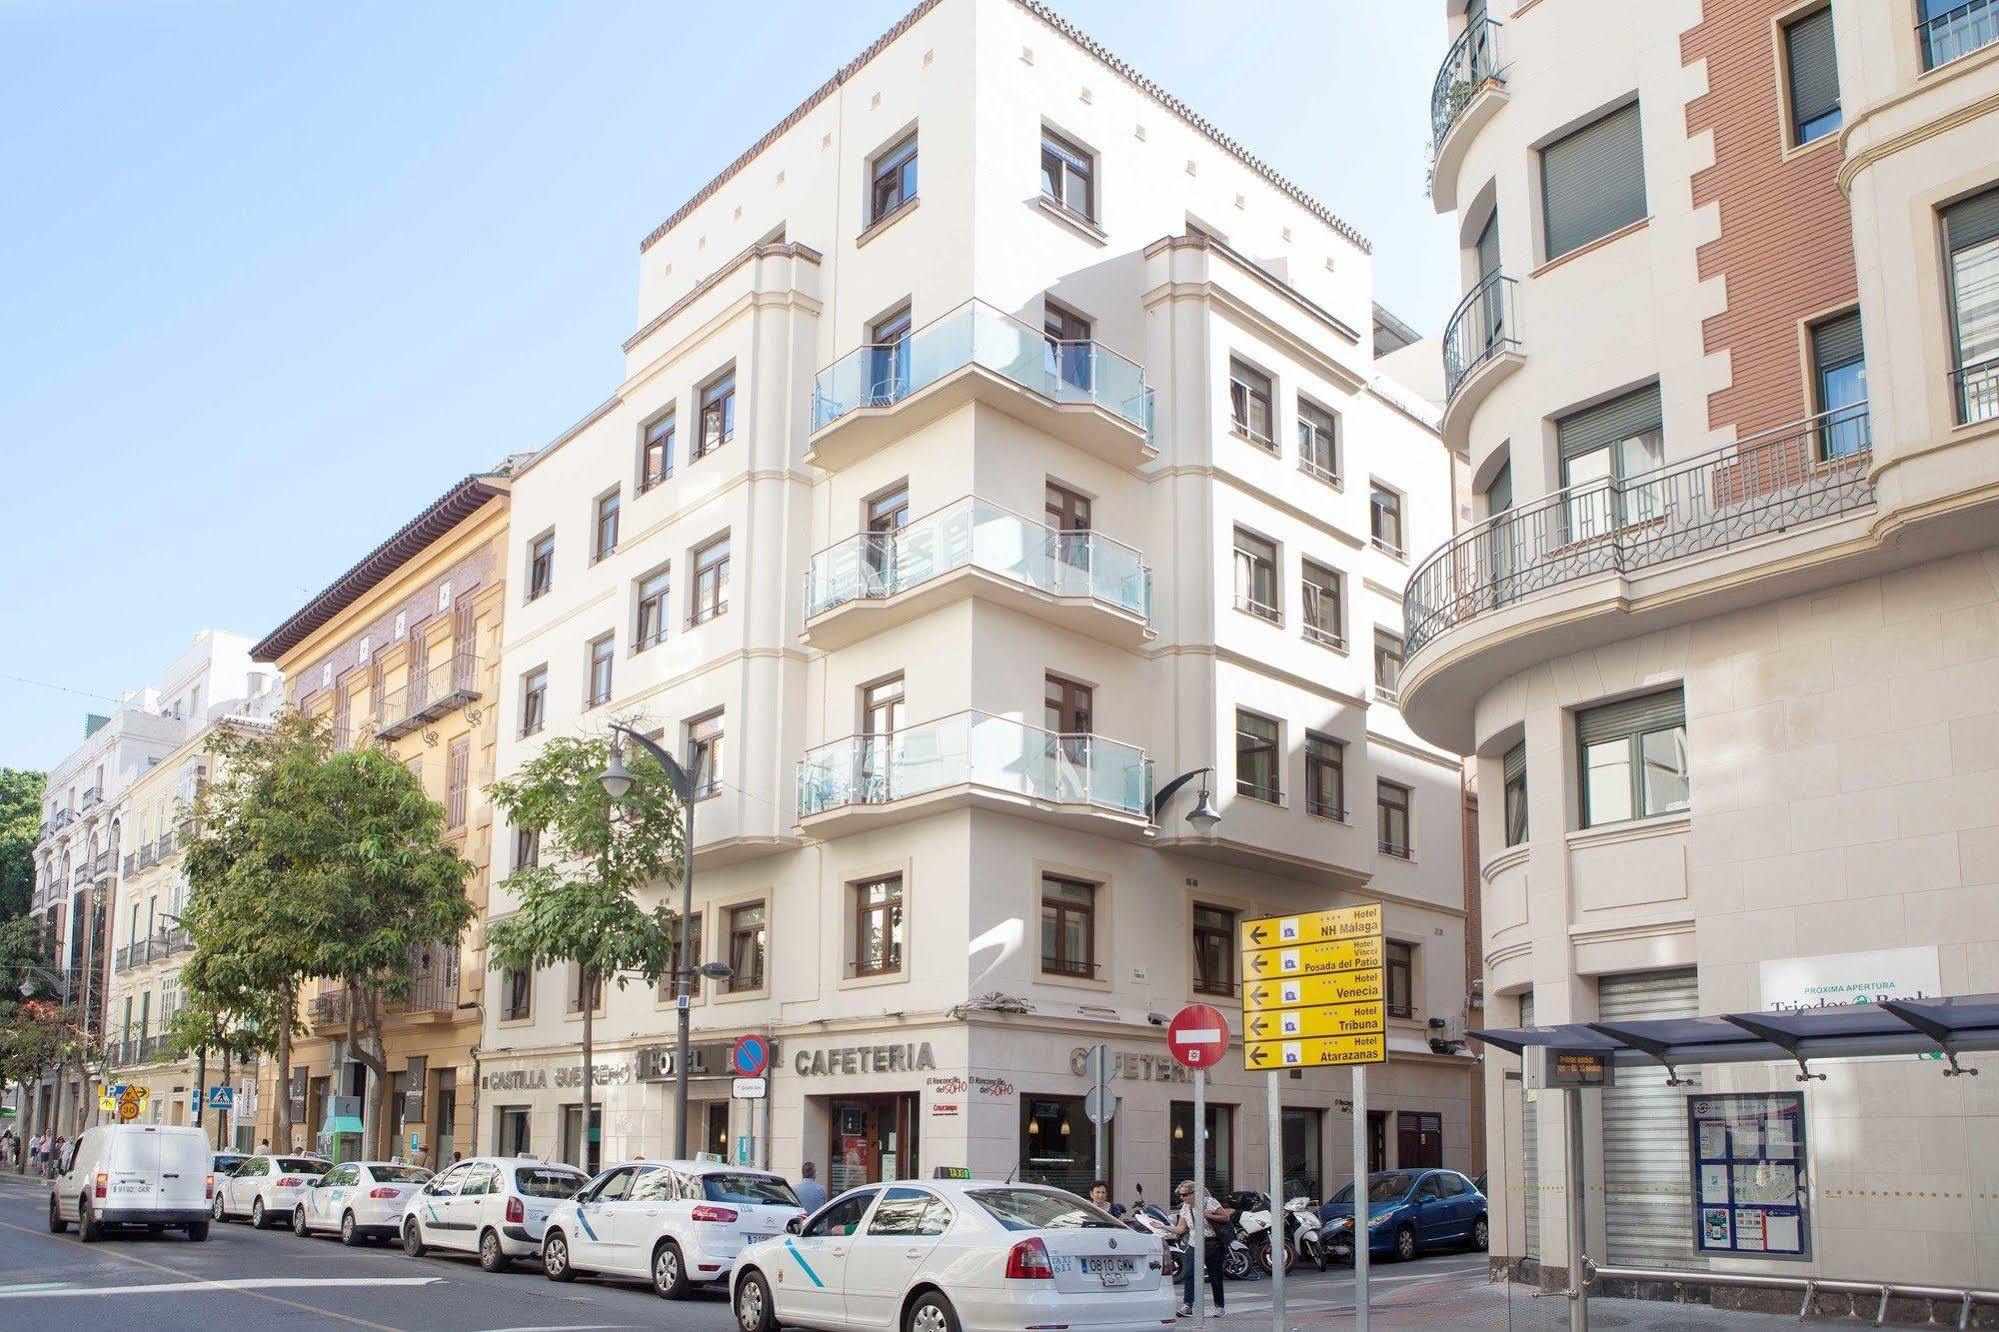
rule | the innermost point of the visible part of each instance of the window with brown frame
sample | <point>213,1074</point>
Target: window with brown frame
<point>1384,518</point>
<point>668,983</point>
<point>457,781</point>
<point>606,531</point>
<point>652,591</point>
<point>1256,760</point>
<point>704,753</point>
<point>1068,175</point>
<point>1214,950</point>
<point>718,415</point>
<point>1392,800</point>
<point>583,981</point>
<point>878,926</point>
<point>1388,650</point>
<point>1400,979</point>
<point>747,943</point>
<point>1068,927</point>
<point>541,566</point>
<point>1256,576</point>
<point>534,700</point>
<point>1318,442</point>
<point>1320,601</point>
<point>892,179</point>
<point>1249,404</point>
<point>527,848</point>
<point>656,451</point>
<point>516,995</point>
<point>1325,777</point>
<point>603,656</point>
<point>711,581</point>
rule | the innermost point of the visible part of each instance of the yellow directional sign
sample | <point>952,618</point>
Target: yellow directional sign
<point>1340,987</point>
<point>1325,1020</point>
<point>1319,1052</point>
<point>1314,959</point>
<point>1312,927</point>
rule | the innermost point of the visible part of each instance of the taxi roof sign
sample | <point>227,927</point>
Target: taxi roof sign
<point>951,1172</point>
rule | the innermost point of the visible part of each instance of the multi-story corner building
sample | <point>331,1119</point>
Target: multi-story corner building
<point>999,441</point>
<point>402,651</point>
<point>1723,639</point>
<point>149,942</point>
<point>86,828</point>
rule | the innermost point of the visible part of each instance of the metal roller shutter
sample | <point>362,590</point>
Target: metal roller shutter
<point>1633,716</point>
<point>1530,1153</point>
<point>1608,423</point>
<point>1814,67</point>
<point>1593,181</point>
<point>1647,1191</point>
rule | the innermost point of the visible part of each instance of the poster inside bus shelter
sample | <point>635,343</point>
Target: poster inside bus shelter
<point>1749,1166</point>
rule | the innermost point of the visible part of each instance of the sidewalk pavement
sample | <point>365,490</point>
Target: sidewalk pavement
<point>1455,1302</point>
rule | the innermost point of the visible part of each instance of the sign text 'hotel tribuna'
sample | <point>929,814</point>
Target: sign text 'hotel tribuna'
<point>1313,991</point>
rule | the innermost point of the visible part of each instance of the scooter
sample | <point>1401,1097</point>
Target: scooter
<point>1147,1219</point>
<point>1301,1224</point>
<point>1250,1246</point>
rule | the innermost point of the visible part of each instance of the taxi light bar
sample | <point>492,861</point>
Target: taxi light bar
<point>102,1180</point>
<point>516,1210</point>
<point>706,1213</point>
<point>1028,1261</point>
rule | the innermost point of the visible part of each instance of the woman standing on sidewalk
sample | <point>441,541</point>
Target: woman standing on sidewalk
<point>1203,1227</point>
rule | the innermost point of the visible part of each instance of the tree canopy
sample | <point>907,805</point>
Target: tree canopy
<point>20,827</point>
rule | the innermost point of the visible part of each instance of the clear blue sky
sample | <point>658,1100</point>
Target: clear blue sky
<point>272,276</point>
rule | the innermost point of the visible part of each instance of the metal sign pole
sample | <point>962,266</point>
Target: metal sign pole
<point>1360,1191</point>
<point>1103,1053</point>
<point>1196,1231</point>
<point>1279,1242</point>
<point>1572,1101</point>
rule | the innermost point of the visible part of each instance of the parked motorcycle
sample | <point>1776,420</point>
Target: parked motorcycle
<point>1147,1219</point>
<point>1250,1246</point>
<point>1301,1227</point>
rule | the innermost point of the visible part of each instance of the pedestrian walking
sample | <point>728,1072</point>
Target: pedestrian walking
<point>811,1193</point>
<point>1202,1219</point>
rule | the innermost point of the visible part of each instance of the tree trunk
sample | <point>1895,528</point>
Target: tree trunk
<point>589,1008</point>
<point>225,1120</point>
<point>364,1017</point>
<point>281,1104</point>
<point>34,1103</point>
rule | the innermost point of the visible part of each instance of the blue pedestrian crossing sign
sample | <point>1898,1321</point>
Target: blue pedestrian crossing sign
<point>221,1098</point>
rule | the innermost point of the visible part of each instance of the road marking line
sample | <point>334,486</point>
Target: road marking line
<point>246,1284</point>
<point>174,1271</point>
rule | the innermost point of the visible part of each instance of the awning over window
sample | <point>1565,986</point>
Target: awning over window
<point>1962,1024</point>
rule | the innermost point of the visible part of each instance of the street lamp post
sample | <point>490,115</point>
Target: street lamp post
<point>616,783</point>
<point>1203,816</point>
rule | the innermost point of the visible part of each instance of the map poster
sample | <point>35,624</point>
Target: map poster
<point>1750,1174</point>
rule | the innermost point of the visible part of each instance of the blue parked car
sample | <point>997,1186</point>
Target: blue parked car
<point>1408,1211</point>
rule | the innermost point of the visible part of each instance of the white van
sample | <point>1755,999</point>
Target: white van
<point>151,1175</point>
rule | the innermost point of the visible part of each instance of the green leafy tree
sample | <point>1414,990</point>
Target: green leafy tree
<point>393,895</point>
<point>256,873</point>
<point>579,904</point>
<point>20,826</point>
<point>235,1027</point>
<point>38,1033</point>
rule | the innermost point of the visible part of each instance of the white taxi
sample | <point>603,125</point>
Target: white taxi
<point>955,1256</point>
<point>266,1188</point>
<point>679,1223</point>
<point>359,1199</point>
<point>494,1206</point>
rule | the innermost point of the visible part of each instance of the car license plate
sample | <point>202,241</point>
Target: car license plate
<point>758,1236</point>
<point>1108,1267</point>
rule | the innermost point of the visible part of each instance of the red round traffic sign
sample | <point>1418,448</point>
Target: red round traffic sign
<point>1198,1036</point>
<point>751,1056</point>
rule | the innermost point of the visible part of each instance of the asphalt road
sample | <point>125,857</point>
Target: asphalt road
<point>242,1275</point>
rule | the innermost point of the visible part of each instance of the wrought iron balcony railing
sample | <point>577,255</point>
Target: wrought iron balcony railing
<point>1480,328</point>
<point>973,533</point>
<point>430,694</point>
<point>1958,32</point>
<point>1472,63</point>
<point>977,749</point>
<point>433,979</point>
<point>1812,469</point>
<point>329,1008</point>
<point>91,798</point>
<point>1974,389</point>
<point>975,333</point>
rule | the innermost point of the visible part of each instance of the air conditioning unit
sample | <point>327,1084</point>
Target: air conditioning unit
<point>1448,1028</point>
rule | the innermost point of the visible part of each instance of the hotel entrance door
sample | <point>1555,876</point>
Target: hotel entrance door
<point>873,1139</point>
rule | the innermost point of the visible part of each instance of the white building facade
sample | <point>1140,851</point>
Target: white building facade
<point>998,443</point>
<point>1723,636</point>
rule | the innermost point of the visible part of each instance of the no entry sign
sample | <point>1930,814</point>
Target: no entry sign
<point>1198,1036</point>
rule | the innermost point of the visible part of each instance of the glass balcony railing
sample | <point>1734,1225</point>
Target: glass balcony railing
<point>977,334</point>
<point>1949,32</point>
<point>978,749</point>
<point>973,533</point>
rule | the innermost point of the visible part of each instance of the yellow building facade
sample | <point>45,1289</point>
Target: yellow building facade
<point>402,651</point>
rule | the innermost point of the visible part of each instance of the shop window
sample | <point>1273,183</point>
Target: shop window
<point>1304,1168</point>
<point>512,1136</point>
<point>1220,1148</point>
<point>1058,1143</point>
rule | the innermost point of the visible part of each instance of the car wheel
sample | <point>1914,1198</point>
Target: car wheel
<point>87,1228</point>
<point>257,1220</point>
<point>197,1231</point>
<point>931,1313</point>
<point>298,1221</point>
<point>413,1244</point>
<point>753,1308</point>
<point>555,1257</point>
<point>669,1273</point>
<point>492,1257</point>
<point>1405,1245</point>
<point>1481,1234</point>
<point>56,1224</point>
<point>215,1212</point>
<point>348,1234</point>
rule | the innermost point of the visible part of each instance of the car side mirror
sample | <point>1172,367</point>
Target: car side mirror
<point>796,1225</point>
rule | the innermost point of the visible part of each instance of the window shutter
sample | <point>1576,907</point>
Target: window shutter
<point>1836,342</point>
<point>1972,222</point>
<point>1607,422</point>
<point>1515,762</point>
<point>1814,70</point>
<point>1593,181</point>
<point>1633,716</point>
<point>1488,247</point>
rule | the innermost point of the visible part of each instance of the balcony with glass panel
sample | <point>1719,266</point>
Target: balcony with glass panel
<point>1469,89</point>
<point>1948,30</point>
<point>1081,392</point>
<point>972,547</point>
<point>866,781</point>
